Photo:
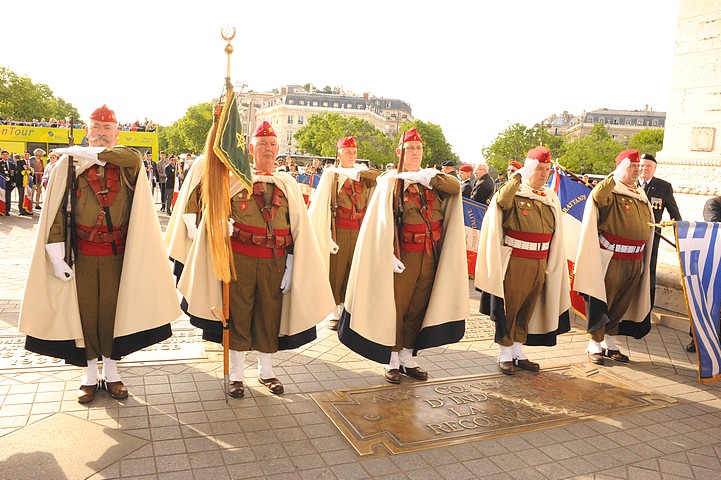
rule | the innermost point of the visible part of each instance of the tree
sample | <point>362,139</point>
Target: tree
<point>188,133</point>
<point>22,99</point>
<point>320,135</point>
<point>647,141</point>
<point>513,144</point>
<point>593,153</point>
<point>436,148</point>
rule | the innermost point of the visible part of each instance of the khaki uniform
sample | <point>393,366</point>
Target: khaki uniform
<point>625,217</point>
<point>256,298</point>
<point>98,276</point>
<point>525,277</point>
<point>346,238</point>
<point>412,287</point>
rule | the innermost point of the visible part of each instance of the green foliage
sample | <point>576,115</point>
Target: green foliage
<point>436,149</point>
<point>189,133</point>
<point>514,143</point>
<point>22,99</point>
<point>320,135</point>
<point>647,141</point>
<point>593,153</point>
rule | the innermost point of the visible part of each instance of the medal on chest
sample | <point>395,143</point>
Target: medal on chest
<point>243,205</point>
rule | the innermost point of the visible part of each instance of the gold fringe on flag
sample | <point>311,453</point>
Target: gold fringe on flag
<point>216,203</point>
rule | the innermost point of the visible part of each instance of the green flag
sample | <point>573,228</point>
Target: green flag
<point>230,144</point>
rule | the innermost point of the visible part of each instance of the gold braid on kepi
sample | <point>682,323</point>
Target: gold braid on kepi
<point>215,194</point>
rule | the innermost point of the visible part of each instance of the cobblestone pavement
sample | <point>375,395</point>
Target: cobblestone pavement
<point>178,412</point>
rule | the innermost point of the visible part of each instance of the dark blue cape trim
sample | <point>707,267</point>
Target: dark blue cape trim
<point>495,308</point>
<point>597,317</point>
<point>213,331</point>
<point>122,346</point>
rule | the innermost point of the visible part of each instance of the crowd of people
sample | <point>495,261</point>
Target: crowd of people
<point>379,256</point>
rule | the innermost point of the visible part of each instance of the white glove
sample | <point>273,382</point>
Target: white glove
<point>528,168</point>
<point>86,153</point>
<point>56,254</point>
<point>421,176</point>
<point>352,173</point>
<point>288,275</point>
<point>398,266</point>
<point>190,219</point>
<point>231,223</point>
<point>333,247</point>
<point>620,171</point>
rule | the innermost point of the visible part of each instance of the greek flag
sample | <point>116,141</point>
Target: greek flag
<point>699,249</point>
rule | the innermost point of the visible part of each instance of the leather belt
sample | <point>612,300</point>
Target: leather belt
<point>523,245</point>
<point>619,247</point>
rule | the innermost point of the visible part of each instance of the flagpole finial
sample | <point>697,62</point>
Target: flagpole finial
<point>228,33</point>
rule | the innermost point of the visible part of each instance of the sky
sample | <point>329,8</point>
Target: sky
<point>471,67</point>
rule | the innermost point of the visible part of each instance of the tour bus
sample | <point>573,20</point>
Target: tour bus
<point>303,160</point>
<point>19,139</point>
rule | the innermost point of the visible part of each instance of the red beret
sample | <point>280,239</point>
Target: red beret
<point>515,164</point>
<point>465,168</point>
<point>347,142</point>
<point>412,135</point>
<point>104,114</point>
<point>539,153</point>
<point>264,130</point>
<point>632,155</point>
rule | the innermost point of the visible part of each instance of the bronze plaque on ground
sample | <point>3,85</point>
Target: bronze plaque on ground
<point>481,327</point>
<point>417,415</point>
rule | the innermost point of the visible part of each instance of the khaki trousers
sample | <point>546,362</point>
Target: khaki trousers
<point>412,292</point>
<point>623,283</point>
<point>522,286</point>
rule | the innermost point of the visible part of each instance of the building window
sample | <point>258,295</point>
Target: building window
<point>336,105</point>
<point>290,119</point>
<point>360,106</point>
<point>655,123</point>
<point>615,121</point>
<point>589,119</point>
<point>388,104</point>
<point>639,122</point>
<point>349,105</point>
<point>301,102</point>
<point>315,103</point>
<point>289,137</point>
<point>291,101</point>
<point>300,120</point>
<point>628,121</point>
<point>601,120</point>
<point>325,103</point>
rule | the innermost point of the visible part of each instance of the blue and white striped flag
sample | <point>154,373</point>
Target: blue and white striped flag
<point>699,250</point>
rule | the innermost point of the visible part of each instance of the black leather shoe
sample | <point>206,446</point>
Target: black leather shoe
<point>526,364</point>
<point>416,373</point>
<point>691,347</point>
<point>272,384</point>
<point>507,368</point>
<point>116,389</point>
<point>236,389</point>
<point>86,393</point>
<point>596,358</point>
<point>392,376</point>
<point>615,355</point>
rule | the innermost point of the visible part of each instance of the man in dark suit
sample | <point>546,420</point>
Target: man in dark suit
<point>7,170</point>
<point>464,174</point>
<point>485,187</point>
<point>20,166</point>
<point>660,197</point>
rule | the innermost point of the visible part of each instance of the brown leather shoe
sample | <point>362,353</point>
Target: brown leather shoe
<point>116,389</point>
<point>596,358</point>
<point>507,368</point>
<point>414,372</point>
<point>86,393</point>
<point>615,355</point>
<point>333,324</point>
<point>236,389</point>
<point>392,376</point>
<point>272,384</point>
<point>526,364</point>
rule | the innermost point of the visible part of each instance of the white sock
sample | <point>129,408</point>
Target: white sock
<point>237,366</point>
<point>518,351</point>
<point>405,358</point>
<point>90,373</point>
<point>338,311</point>
<point>265,365</point>
<point>395,362</point>
<point>110,370</point>
<point>594,347</point>
<point>505,354</point>
<point>609,342</point>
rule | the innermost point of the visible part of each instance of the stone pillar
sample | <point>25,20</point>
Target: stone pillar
<point>691,154</point>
